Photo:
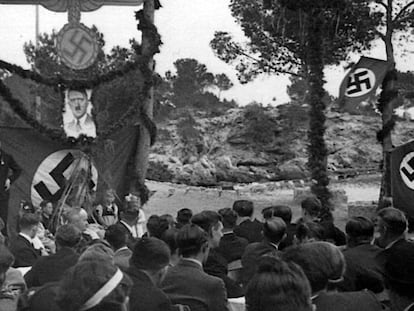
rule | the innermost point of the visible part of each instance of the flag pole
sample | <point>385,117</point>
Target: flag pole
<point>37,111</point>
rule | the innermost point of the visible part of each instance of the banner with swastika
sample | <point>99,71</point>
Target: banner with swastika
<point>47,165</point>
<point>402,178</point>
<point>361,83</point>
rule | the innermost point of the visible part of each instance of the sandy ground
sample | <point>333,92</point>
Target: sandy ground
<point>169,198</point>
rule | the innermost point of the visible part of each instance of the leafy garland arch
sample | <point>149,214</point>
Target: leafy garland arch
<point>60,83</point>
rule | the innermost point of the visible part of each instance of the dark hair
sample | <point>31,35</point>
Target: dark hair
<point>310,230</point>
<point>117,236</point>
<point>68,235</point>
<point>156,226</point>
<point>312,205</point>
<point>274,229</point>
<point>243,208</point>
<point>150,254</point>
<point>83,280</point>
<point>170,237</point>
<point>394,219</point>
<point>79,89</point>
<point>229,217</point>
<point>206,220</point>
<point>6,259</point>
<point>44,203</point>
<point>28,220</point>
<point>321,261</point>
<point>183,217</point>
<point>169,219</point>
<point>190,240</point>
<point>359,229</point>
<point>278,285</point>
<point>282,211</point>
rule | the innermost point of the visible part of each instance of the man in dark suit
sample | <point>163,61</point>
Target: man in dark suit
<point>311,210</point>
<point>231,247</point>
<point>362,270</point>
<point>323,265</point>
<point>274,231</point>
<point>284,212</point>
<point>22,246</point>
<point>148,266</point>
<point>117,237</point>
<point>9,172</point>
<point>187,283</point>
<point>399,276</point>
<point>246,227</point>
<point>391,226</point>
<point>216,264</point>
<point>51,268</point>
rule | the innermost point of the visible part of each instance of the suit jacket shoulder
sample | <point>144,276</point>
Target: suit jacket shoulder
<point>145,295</point>
<point>24,253</point>
<point>188,284</point>
<point>347,301</point>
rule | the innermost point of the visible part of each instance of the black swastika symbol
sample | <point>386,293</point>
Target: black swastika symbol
<point>356,81</point>
<point>78,47</point>
<point>404,170</point>
<point>58,177</point>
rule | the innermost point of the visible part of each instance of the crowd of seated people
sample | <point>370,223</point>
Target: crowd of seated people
<point>206,260</point>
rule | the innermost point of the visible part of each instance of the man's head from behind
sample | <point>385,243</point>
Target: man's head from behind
<point>243,208</point>
<point>322,262</point>
<point>210,222</point>
<point>29,224</point>
<point>68,236</point>
<point>117,236</point>
<point>78,102</point>
<point>183,217</point>
<point>192,242</point>
<point>281,211</point>
<point>153,256</point>
<point>391,225</point>
<point>359,230</point>
<point>311,208</point>
<point>229,218</point>
<point>274,230</point>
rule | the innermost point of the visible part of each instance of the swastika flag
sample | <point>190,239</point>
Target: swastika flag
<point>47,165</point>
<point>402,178</point>
<point>361,82</point>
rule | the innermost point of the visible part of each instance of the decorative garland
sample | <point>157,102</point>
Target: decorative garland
<point>385,98</point>
<point>317,150</point>
<point>59,82</point>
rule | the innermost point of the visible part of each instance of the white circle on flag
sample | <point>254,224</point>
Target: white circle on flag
<point>360,82</point>
<point>55,171</point>
<point>407,170</point>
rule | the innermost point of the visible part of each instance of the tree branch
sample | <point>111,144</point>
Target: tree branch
<point>382,4</point>
<point>402,11</point>
<point>270,65</point>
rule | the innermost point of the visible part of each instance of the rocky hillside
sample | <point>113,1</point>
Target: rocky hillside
<point>263,144</point>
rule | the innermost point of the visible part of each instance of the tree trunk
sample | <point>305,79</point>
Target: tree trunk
<point>388,96</point>
<point>143,147</point>
<point>317,151</point>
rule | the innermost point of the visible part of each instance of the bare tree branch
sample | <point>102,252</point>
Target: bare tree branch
<point>382,4</point>
<point>403,11</point>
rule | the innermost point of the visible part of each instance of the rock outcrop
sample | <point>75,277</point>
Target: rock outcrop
<point>227,149</point>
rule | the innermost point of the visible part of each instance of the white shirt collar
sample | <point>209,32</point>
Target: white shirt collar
<point>82,120</point>
<point>274,245</point>
<point>193,260</point>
